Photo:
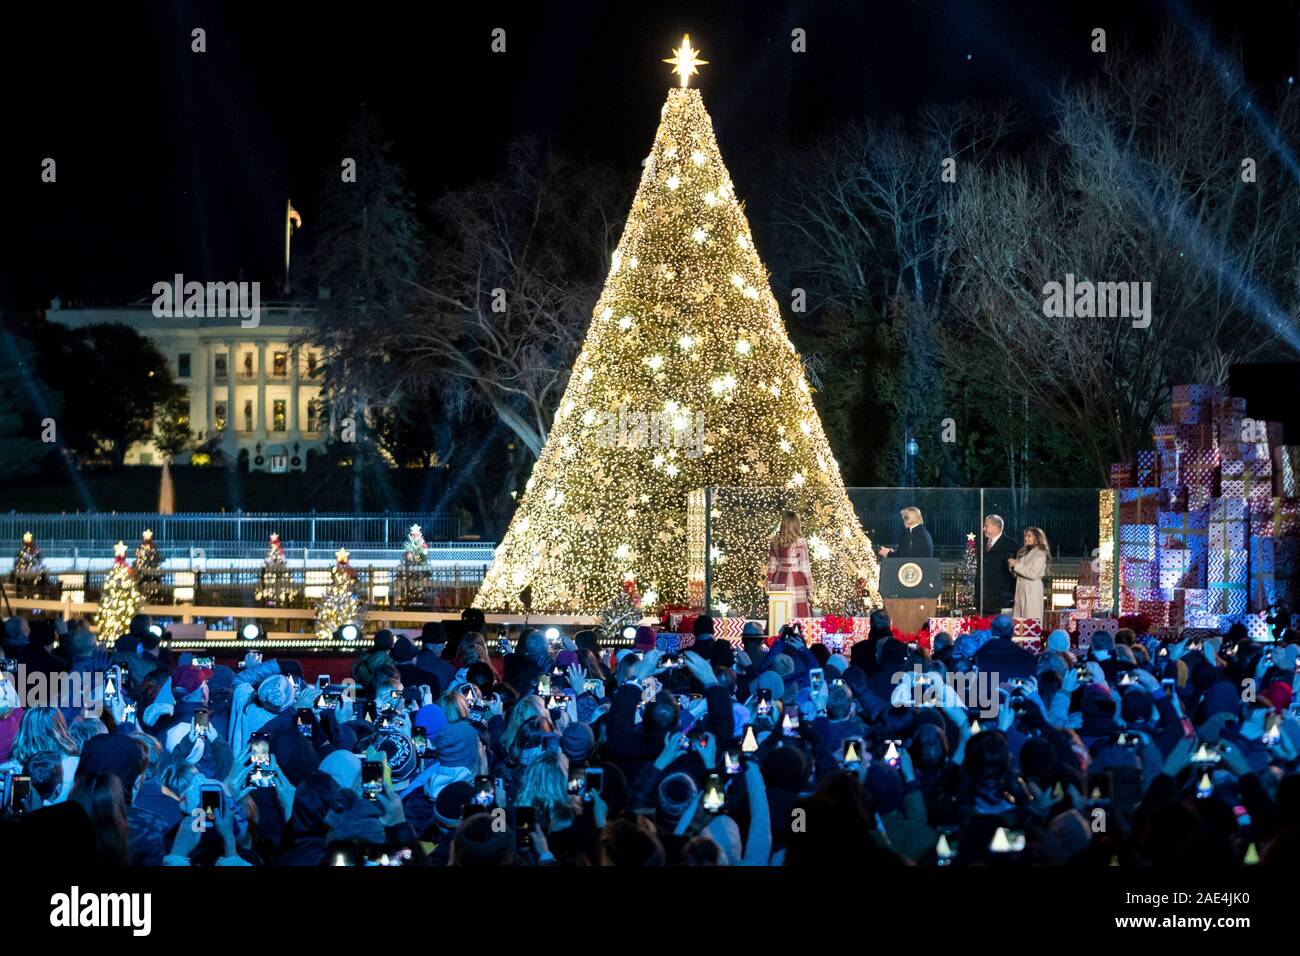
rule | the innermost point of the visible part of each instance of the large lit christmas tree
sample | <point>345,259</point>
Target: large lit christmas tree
<point>339,605</point>
<point>686,380</point>
<point>120,599</point>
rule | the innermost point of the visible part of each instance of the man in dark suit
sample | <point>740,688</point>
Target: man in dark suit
<point>915,542</point>
<point>997,578</point>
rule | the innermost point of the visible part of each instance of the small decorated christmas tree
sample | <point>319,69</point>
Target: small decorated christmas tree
<point>120,600</point>
<point>29,571</point>
<point>275,589</point>
<point>340,604</point>
<point>28,560</point>
<point>148,567</point>
<point>967,580</point>
<point>623,611</point>
<point>413,575</point>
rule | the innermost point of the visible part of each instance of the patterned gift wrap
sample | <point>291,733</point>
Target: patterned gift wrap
<point>1227,566</point>
<point>1160,613</point>
<point>949,625</point>
<point>1147,472</point>
<point>1189,404</point>
<point>1166,438</point>
<point>1169,471</point>
<point>1187,530</point>
<point>1227,415</point>
<point>1121,476</point>
<point>1201,619</point>
<point>1139,506</point>
<point>1196,437</point>
<point>730,628</point>
<point>1128,602</point>
<point>1255,451</point>
<point>1228,523</point>
<point>1286,471</point>
<point>1138,541</point>
<point>1090,626</point>
<point>814,629</point>
<point>1028,627</point>
<point>1192,599</point>
<point>1181,568</point>
<point>1087,592</point>
<point>1136,573</point>
<point>1263,587</point>
<point>1070,618</point>
<point>1257,627</point>
<point>1229,598</point>
<point>1281,520</point>
<point>1252,480</point>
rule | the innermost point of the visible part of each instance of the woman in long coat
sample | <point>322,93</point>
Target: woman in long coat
<point>788,568</point>
<point>1029,566</point>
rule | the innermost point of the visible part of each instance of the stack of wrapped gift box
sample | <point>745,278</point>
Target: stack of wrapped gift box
<point>1208,524</point>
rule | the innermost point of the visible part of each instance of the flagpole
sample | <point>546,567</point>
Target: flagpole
<point>291,218</point>
<point>288,233</point>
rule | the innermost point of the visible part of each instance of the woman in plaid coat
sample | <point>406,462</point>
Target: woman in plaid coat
<point>787,565</point>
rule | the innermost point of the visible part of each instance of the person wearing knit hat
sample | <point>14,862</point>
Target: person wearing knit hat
<point>399,752</point>
<point>449,806</point>
<point>479,842</point>
<point>458,745</point>
<point>645,639</point>
<point>577,741</point>
<point>344,767</point>
<point>1278,695</point>
<point>674,796</point>
<point>782,665</point>
<point>837,663</point>
<point>1058,641</point>
<point>190,680</point>
<point>771,680</point>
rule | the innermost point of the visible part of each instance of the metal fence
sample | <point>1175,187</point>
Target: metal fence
<point>237,528</point>
<point>427,589</point>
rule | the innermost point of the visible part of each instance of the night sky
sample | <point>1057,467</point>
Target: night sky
<point>173,161</point>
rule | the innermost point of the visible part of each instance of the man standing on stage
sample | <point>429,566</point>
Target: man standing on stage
<point>996,577</point>
<point>916,541</point>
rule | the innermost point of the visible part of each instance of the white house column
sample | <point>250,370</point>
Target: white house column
<point>293,395</point>
<point>263,430</point>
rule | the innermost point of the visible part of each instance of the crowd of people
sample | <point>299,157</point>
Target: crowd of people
<point>466,748</point>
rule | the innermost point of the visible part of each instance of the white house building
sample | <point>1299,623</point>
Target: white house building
<point>249,387</point>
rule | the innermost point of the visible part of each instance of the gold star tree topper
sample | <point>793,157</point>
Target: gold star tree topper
<point>119,550</point>
<point>342,555</point>
<point>685,60</point>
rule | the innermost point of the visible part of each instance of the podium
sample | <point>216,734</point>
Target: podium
<point>910,588</point>
<point>780,610</point>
